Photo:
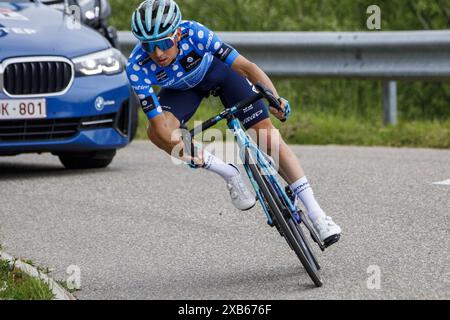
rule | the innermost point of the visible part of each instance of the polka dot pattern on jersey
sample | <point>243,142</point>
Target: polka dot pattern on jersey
<point>197,45</point>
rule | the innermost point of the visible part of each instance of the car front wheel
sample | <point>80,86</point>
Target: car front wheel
<point>87,160</point>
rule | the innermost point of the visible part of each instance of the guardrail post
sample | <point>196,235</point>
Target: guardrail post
<point>390,102</point>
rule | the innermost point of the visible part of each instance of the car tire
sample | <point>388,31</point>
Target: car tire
<point>87,160</point>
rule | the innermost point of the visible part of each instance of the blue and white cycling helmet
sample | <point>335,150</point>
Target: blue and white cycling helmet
<point>155,19</point>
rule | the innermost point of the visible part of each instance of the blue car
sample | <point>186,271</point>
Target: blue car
<point>63,88</point>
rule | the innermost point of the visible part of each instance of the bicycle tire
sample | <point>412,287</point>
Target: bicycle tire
<point>295,227</point>
<point>268,193</point>
<point>300,235</point>
<point>297,231</point>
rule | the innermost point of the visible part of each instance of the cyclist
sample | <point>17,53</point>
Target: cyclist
<point>188,61</point>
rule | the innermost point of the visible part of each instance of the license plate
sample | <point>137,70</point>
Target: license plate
<point>23,109</point>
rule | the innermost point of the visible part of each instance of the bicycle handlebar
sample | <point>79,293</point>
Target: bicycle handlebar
<point>273,102</point>
<point>268,95</point>
<point>264,92</point>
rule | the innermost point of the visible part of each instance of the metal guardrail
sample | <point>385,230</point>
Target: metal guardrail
<point>387,56</point>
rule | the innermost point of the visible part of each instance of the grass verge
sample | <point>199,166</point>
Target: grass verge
<point>16,285</point>
<point>324,128</point>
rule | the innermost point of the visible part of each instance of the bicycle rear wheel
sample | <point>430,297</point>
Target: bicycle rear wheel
<point>281,219</point>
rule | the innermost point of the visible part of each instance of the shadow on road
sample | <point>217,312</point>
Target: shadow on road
<point>266,281</point>
<point>16,171</point>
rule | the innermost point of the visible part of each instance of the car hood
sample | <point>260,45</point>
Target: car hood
<point>32,28</point>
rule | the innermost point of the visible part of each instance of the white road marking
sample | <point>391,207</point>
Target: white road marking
<point>443,183</point>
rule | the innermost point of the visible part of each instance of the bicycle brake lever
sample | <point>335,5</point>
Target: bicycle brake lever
<point>268,95</point>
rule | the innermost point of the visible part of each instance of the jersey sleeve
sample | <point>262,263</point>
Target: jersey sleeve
<point>207,41</point>
<point>142,85</point>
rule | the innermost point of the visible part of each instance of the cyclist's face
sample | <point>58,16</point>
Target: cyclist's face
<point>165,58</point>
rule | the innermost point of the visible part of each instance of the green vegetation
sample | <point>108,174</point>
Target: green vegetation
<point>301,15</point>
<point>316,128</point>
<point>15,285</point>
<point>334,111</point>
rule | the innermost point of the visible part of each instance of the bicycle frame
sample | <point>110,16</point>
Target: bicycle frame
<point>245,143</point>
<point>265,183</point>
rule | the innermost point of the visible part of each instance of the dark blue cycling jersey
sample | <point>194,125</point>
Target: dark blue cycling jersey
<point>197,49</point>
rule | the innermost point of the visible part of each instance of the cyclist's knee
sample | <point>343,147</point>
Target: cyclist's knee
<point>162,133</point>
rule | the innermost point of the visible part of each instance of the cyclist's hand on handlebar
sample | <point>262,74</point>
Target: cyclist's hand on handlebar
<point>280,107</point>
<point>285,111</point>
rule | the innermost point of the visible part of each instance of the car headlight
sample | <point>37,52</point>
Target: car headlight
<point>107,62</point>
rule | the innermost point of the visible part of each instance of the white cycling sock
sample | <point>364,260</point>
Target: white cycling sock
<point>303,190</point>
<point>216,165</point>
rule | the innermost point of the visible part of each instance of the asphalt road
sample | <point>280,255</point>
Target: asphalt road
<point>146,229</point>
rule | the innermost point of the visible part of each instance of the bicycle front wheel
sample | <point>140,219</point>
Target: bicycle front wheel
<point>281,219</point>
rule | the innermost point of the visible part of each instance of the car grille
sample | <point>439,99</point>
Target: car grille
<point>40,77</point>
<point>39,129</point>
<point>51,129</point>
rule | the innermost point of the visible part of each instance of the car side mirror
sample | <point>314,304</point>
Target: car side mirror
<point>94,12</point>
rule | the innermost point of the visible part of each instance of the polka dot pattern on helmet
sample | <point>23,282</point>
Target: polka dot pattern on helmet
<point>155,19</point>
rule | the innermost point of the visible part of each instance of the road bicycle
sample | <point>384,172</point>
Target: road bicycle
<point>278,201</point>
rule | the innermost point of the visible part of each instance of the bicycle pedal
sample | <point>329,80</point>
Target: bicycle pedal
<point>332,240</point>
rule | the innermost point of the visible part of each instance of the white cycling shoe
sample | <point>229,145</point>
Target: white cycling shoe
<point>241,197</point>
<point>329,232</point>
